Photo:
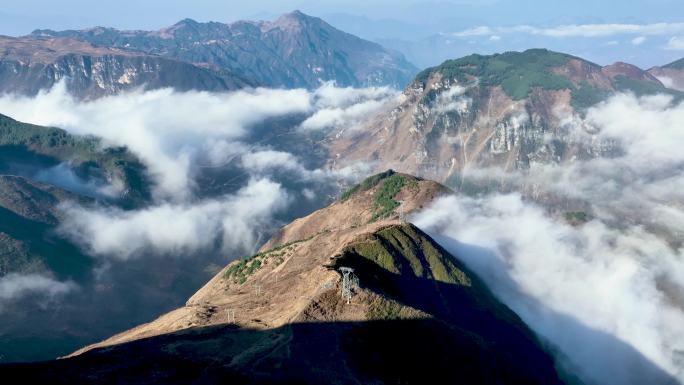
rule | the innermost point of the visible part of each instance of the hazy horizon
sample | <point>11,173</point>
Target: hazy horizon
<point>427,32</point>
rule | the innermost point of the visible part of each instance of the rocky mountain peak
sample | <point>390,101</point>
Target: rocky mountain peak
<point>295,16</point>
<point>295,22</point>
<point>187,22</point>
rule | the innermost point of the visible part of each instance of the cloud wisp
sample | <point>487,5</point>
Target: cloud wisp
<point>14,286</point>
<point>234,222</point>
<point>676,43</point>
<point>577,30</point>
<point>346,107</point>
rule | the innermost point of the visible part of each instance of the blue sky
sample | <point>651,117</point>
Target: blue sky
<point>642,32</point>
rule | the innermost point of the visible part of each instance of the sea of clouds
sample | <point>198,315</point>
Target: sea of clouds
<point>607,295</point>
<point>178,136</point>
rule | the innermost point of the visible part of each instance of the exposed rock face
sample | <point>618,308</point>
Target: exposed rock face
<point>417,314</point>
<point>671,75</point>
<point>295,50</point>
<point>510,111</point>
<point>28,65</point>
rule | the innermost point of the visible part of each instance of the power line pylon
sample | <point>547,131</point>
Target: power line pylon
<point>349,282</point>
<point>402,216</point>
<point>231,315</point>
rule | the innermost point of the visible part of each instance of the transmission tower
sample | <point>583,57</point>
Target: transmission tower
<point>257,290</point>
<point>349,282</point>
<point>402,217</point>
<point>231,315</point>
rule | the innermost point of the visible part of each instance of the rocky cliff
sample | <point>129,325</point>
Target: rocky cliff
<point>510,111</point>
<point>31,64</point>
<point>672,75</point>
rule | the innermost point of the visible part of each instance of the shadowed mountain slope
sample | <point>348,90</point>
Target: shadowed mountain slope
<point>416,315</point>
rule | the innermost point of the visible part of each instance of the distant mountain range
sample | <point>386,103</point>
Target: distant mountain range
<point>295,50</point>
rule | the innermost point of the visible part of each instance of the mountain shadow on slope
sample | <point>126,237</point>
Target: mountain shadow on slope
<point>430,321</point>
<point>391,352</point>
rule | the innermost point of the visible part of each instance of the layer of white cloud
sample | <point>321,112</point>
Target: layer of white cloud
<point>572,284</point>
<point>649,127</point>
<point>639,40</point>
<point>577,30</point>
<point>676,43</point>
<point>346,107</point>
<point>63,175</point>
<point>168,130</point>
<point>14,286</point>
<point>607,292</point>
<point>266,162</point>
<point>234,221</point>
<point>667,81</point>
<point>173,132</point>
<point>178,136</point>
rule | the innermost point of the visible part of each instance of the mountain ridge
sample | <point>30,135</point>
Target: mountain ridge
<point>278,316</point>
<point>672,74</point>
<point>509,111</point>
<point>31,64</point>
<point>295,50</point>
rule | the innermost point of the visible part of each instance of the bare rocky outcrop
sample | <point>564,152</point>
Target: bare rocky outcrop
<point>508,111</point>
<point>31,64</point>
<point>671,75</point>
